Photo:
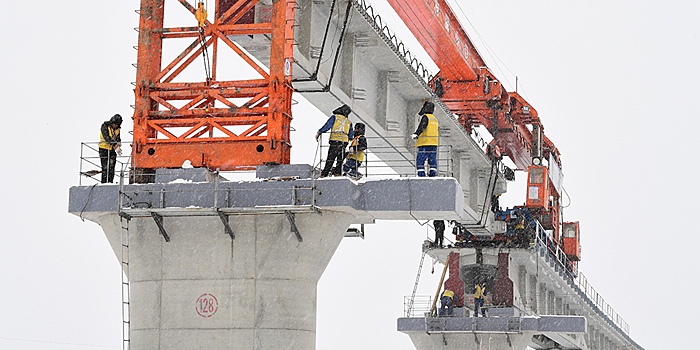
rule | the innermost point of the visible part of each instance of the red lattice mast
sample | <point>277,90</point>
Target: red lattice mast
<point>175,121</point>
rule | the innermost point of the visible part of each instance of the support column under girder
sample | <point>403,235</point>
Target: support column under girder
<point>204,290</point>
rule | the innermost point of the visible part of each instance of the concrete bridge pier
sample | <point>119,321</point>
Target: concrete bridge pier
<point>235,264</point>
<point>203,290</point>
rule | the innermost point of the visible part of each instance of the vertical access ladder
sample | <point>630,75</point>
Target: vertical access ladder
<point>126,316</point>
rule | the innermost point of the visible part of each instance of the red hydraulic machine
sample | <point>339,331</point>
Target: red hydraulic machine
<point>217,124</point>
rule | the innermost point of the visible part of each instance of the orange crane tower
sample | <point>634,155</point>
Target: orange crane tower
<point>199,121</point>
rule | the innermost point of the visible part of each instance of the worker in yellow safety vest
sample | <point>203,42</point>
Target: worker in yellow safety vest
<point>479,297</point>
<point>447,300</point>
<point>110,146</point>
<point>427,140</point>
<point>341,132</point>
<point>200,15</point>
<point>356,154</point>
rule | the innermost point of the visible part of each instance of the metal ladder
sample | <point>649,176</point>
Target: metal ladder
<point>409,310</point>
<point>126,316</point>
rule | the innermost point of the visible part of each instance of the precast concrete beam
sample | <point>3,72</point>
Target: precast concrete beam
<point>384,85</point>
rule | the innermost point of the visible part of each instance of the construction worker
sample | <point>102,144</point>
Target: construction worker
<point>341,132</point>
<point>459,234</point>
<point>495,205</point>
<point>110,146</point>
<point>200,15</point>
<point>479,297</point>
<point>356,153</point>
<point>439,227</point>
<point>447,300</point>
<point>427,140</point>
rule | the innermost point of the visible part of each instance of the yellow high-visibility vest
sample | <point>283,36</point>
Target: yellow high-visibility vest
<point>429,136</point>
<point>479,293</point>
<point>359,155</point>
<point>112,134</point>
<point>448,293</point>
<point>340,129</point>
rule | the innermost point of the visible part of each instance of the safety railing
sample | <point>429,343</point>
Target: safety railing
<point>91,163</point>
<point>384,158</point>
<point>390,38</point>
<point>597,299</point>
<point>544,244</point>
<point>420,307</point>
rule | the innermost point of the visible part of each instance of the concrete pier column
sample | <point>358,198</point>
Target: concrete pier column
<point>203,290</point>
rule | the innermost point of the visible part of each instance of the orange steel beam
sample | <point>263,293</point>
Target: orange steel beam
<point>226,125</point>
<point>435,26</point>
<point>470,90</point>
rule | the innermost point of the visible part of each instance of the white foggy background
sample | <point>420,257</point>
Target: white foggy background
<point>614,84</point>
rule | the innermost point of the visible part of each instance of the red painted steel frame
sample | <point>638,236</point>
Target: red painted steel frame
<point>262,122</point>
<point>471,91</point>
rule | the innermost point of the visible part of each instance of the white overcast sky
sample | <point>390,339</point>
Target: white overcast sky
<point>614,83</point>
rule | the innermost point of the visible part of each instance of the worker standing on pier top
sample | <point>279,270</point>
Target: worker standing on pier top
<point>341,132</point>
<point>428,138</point>
<point>479,297</point>
<point>110,146</point>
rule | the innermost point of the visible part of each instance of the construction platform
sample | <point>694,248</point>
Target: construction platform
<point>532,301</point>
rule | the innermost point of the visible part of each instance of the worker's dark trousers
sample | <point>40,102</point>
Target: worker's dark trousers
<point>439,227</point>
<point>479,303</point>
<point>351,167</point>
<point>428,153</point>
<point>336,153</point>
<point>108,158</point>
<point>439,237</point>
<point>446,303</point>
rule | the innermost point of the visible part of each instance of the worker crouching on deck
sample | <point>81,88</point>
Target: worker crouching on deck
<point>356,154</point>
<point>110,146</point>
<point>447,300</point>
<point>427,140</point>
<point>341,132</point>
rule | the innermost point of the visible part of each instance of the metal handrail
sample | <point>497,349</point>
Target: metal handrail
<point>90,165</point>
<point>375,166</point>
<point>580,281</point>
<point>420,305</point>
<point>390,38</point>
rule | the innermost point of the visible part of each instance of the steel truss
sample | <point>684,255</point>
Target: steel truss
<point>229,125</point>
